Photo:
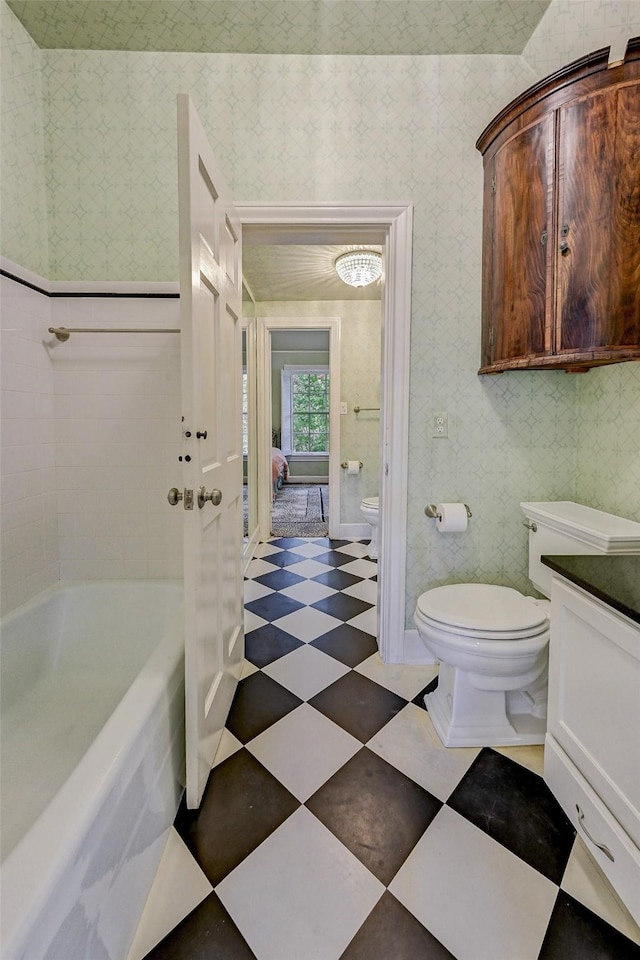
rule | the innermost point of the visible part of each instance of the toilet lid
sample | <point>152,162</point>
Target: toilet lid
<point>482,607</point>
<point>371,502</point>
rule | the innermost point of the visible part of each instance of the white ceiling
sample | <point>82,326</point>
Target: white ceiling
<point>376,27</point>
<point>300,272</point>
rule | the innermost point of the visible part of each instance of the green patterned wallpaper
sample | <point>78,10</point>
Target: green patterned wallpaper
<point>608,425</point>
<point>345,129</point>
<point>573,28</point>
<point>23,196</point>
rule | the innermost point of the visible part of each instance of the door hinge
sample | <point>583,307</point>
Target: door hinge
<point>494,184</point>
<point>490,336</point>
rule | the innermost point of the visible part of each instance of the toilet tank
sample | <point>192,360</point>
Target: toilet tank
<point>565,527</point>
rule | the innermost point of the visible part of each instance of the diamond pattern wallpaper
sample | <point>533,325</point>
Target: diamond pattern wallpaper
<point>22,184</point>
<point>95,133</point>
<point>573,28</point>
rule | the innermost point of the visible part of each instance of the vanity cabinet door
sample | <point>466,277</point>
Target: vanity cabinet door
<point>594,698</point>
<point>598,240</point>
<point>517,227</point>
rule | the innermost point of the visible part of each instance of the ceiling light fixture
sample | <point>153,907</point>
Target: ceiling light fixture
<point>359,268</point>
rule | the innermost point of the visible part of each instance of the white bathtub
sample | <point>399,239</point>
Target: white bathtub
<point>92,763</point>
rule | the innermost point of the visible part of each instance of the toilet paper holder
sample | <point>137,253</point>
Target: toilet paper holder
<point>345,464</point>
<point>432,511</point>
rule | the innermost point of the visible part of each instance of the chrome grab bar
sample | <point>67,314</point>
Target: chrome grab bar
<point>63,333</point>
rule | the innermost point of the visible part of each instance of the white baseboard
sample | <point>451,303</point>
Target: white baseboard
<point>323,481</point>
<point>355,531</point>
<point>249,550</point>
<point>414,649</point>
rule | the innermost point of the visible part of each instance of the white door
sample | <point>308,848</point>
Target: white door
<point>210,306</point>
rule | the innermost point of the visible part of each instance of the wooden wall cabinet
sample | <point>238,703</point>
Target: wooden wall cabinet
<point>561,225</point>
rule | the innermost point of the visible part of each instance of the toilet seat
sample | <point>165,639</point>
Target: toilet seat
<point>483,611</point>
<point>371,503</point>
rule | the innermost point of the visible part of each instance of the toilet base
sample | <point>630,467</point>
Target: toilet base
<point>372,549</point>
<point>464,716</point>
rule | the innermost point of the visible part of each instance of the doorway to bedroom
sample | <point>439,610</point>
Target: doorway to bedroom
<point>301,431</point>
<point>290,228</point>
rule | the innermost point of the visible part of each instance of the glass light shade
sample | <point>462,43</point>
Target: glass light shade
<point>359,268</point>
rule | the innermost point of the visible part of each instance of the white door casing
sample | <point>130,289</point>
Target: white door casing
<point>390,224</point>
<point>210,308</point>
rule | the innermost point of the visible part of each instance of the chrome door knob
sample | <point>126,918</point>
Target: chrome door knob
<point>215,497</point>
<point>175,496</point>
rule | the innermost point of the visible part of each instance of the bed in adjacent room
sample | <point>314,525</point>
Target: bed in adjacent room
<point>279,466</point>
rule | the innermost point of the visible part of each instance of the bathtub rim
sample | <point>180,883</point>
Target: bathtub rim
<point>38,860</point>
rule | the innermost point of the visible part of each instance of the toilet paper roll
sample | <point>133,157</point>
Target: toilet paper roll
<point>353,466</point>
<point>453,517</point>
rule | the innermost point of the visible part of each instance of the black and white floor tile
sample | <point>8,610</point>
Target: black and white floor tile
<point>336,826</point>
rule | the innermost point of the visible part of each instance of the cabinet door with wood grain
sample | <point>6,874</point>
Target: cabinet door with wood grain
<point>518,298</point>
<point>598,242</point>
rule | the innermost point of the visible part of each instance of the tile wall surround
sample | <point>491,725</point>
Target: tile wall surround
<point>107,121</point>
<point>360,384</point>
<point>118,437</point>
<point>90,441</point>
<point>28,510</point>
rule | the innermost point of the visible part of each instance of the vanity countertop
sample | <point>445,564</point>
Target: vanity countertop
<point>613,579</point>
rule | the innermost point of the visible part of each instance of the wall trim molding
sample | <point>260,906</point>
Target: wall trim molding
<point>415,650</point>
<point>355,531</point>
<point>391,225</point>
<point>87,288</point>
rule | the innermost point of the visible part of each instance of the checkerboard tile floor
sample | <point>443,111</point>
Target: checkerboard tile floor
<point>336,825</point>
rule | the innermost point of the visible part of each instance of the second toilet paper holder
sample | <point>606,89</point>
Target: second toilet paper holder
<point>432,511</point>
<point>345,464</point>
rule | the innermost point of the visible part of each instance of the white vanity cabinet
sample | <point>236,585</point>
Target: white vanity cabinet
<point>592,748</point>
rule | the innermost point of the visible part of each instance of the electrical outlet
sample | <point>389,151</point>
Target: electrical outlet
<point>439,425</point>
<point>343,407</point>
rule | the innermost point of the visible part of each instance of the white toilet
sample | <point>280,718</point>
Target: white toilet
<point>370,511</point>
<point>492,642</point>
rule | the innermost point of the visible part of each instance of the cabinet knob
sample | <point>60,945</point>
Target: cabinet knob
<point>563,246</point>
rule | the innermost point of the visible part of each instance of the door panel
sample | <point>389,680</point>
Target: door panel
<point>210,296</point>
<point>585,202</point>
<point>520,305</point>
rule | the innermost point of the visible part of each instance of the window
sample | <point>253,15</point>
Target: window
<point>305,410</point>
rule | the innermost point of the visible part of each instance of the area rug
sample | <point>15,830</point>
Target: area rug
<point>301,510</point>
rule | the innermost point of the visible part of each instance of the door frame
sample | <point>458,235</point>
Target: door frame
<point>389,224</point>
<point>265,326</point>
